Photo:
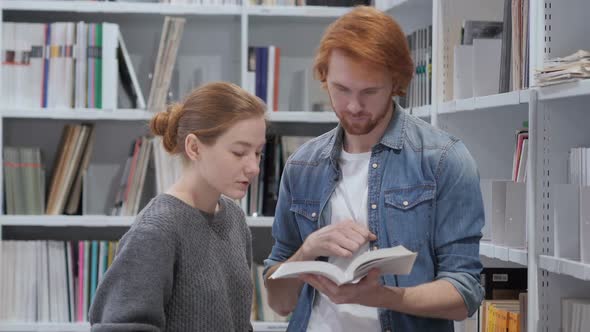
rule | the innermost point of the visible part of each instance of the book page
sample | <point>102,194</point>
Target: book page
<point>294,269</point>
<point>396,260</point>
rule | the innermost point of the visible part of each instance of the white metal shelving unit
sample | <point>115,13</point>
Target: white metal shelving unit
<point>506,254</point>
<point>44,327</point>
<point>224,31</point>
<point>557,115</point>
<point>119,7</point>
<point>85,327</point>
<point>296,11</point>
<point>95,221</point>
<point>560,116</point>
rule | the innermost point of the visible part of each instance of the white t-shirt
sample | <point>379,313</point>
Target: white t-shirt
<point>348,202</point>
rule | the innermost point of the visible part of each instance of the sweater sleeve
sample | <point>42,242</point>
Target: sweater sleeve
<point>134,291</point>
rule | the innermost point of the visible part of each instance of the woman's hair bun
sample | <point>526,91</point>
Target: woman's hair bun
<point>165,124</point>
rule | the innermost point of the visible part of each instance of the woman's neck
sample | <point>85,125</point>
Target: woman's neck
<point>196,192</point>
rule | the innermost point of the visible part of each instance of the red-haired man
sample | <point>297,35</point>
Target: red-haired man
<point>380,179</point>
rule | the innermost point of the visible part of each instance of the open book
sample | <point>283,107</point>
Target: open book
<point>397,260</point>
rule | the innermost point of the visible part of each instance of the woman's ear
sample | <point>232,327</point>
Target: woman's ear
<point>192,146</point>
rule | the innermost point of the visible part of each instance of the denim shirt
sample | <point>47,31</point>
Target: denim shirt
<point>424,194</point>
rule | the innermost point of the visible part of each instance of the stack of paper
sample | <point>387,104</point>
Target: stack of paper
<point>567,69</point>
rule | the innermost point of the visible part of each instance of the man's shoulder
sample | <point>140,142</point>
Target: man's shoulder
<point>421,135</point>
<point>310,152</point>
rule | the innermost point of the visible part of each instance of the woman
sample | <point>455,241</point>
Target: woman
<point>184,265</point>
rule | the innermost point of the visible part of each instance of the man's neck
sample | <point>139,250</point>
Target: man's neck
<point>364,143</point>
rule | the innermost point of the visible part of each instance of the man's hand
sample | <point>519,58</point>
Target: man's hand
<point>342,239</point>
<point>366,292</point>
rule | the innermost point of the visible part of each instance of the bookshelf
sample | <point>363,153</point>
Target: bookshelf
<point>77,114</point>
<point>421,111</point>
<point>44,327</point>
<point>139,115</point>
<point>484,103</point>
<point>564,266</point>
<point>555,115</point>
<point>296,11</point>
<point>85,327</point>
<point>565,91</point>
<point>120,7</point>
<point>502,253</point>
<point>219,37</point>
<point>95,221</point>
<point>66,221</point>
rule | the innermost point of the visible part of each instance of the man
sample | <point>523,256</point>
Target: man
<point>382,178</point>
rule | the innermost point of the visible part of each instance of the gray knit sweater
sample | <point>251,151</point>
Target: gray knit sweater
<point>178,269</point>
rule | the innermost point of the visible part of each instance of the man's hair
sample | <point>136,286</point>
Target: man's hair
<point>369,35</point>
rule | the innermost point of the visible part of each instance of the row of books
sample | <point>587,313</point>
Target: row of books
<point>204,2</point>
<point>261,310</point>
<point>263,75</point>
<point>520,160</point>
<point>572,208</point>
<point>419,91</point>
<point>505,212</point>
<point>128,197</point>
<point>121,189</point>
<point>165,60</point>
<point>329,3</point>
<point>494,55</point>
<point>263,192</point>
<point>571,217</point>
<point>73,158</point>
<point>79,186</point>
<point>65,65</point>
<point>505,306</point>
<point>24,181</point>
<point>24,175</point>
<point>579,166</point>
<point>58,281</point>
<point>575,314</point>
<point>515,46</point>
<point>503,316</point>
<point>167,168</point>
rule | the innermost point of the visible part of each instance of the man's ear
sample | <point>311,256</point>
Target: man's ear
<point>192,146</point>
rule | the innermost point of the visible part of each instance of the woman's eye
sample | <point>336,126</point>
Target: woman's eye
<point>238,154</point>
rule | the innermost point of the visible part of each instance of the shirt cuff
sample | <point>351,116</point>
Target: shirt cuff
<point>468,287</point>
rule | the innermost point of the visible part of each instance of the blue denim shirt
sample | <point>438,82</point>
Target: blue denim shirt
<point>424,194</point>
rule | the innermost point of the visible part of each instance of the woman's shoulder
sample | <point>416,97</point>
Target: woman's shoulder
<point>161,212</point>
<point>234,210</point>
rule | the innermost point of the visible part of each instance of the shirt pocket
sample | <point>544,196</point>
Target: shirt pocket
<point>306,215</point>
<point>408,213</point>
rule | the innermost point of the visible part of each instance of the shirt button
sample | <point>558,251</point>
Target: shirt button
<point>375,165</point>
<point>313,215</point>
<point>405,203</point>
<point>373,206</point>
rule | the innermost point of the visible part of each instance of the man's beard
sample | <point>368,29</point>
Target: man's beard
<point>364,127</point>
